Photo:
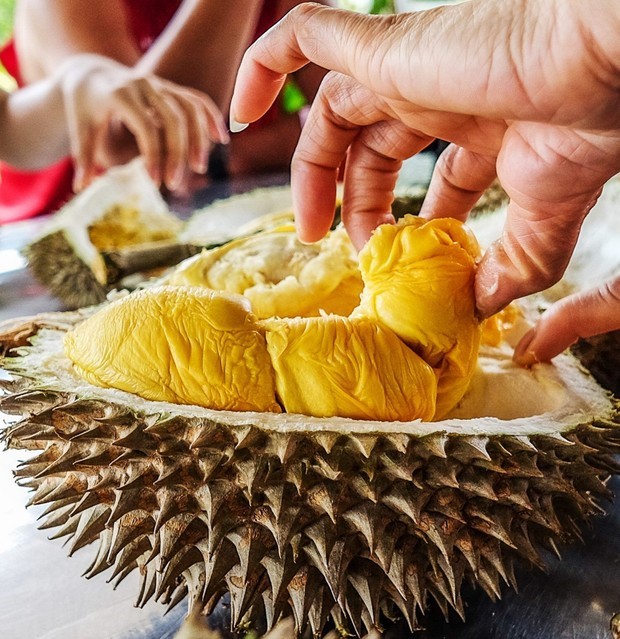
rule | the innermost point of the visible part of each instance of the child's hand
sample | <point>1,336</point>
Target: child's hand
<point>174,127</point>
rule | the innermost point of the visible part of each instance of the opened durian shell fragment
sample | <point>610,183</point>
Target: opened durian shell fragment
<point>306,517</point>
<point>119,209</point>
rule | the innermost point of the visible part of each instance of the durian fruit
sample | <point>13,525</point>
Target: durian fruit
<point>419,282</point>
<point>322,519</point>
<point>277,273</point>
<point>203,349</point>
<point>120,209</point>
<point>314,518</point>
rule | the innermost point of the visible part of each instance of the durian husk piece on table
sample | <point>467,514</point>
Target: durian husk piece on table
<point>309,517</point>
<point>79,254</point>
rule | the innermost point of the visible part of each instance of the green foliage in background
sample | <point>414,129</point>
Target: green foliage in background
<point>6,19</point>
<point>6,25</point>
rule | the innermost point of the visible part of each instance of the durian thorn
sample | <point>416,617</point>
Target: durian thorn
<point>178,564</point>
<point>68,529</point>
<point>148,585</point>
<point>127,501</point>
<point>130,554</point>
<point>369,588</point>
<point>97,431</point>
<point>137,439</point>
<point>248,436</point>
<point>243,592</point>
<point>176,533</point>
<point>365,444</point>
<point>99,563</point>
<point>250,542</point>
<point>92,523</point>
<point>279,573</point>
<point>520,443</point>
<point>57,505</point>
<point>321,498</point>
<point>66,462</point>
<point>326,440</point>
<point>58,518</point>
<point>46,490</point>
<point>126,456</point>
<point>128,528</point>
<point>476,446</point>
<point>433,445</point>
<point>403,499</point>
<point>281,446</point>
<point>318,612</point>
<point>440,475</point>
<point>282,529</point>
<point>176,598</point>
<point>173,502</point>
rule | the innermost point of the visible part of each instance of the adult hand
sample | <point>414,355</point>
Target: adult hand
<point>524,90</point>
<point>173,126</point>
<point>591,312</point>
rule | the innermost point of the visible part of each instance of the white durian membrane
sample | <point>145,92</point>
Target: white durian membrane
<point>503,398</point>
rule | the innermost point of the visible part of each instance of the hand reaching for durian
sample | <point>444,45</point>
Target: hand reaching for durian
<point>174,126</point>
<point>592,312</point>
<point>73,110</point>
<point>522,89</point>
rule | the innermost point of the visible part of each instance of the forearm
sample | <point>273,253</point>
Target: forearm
<point>47,32</point>
<point>33,130</point>
<point>217,33</point>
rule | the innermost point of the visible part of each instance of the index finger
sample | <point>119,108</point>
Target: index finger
<point>308,33</point>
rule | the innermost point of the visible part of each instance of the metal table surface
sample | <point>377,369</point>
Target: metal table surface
<point>44,596</point>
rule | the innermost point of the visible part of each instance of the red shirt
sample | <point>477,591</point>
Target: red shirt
<point>25,194</point>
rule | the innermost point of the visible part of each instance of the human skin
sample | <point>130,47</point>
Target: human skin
<point>525,90</point>
<point>200,48</point>
<point>70,109</point>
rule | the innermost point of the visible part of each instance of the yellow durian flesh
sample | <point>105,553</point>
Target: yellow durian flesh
<point>180,345</point>
<point>327,366</point>
<point>278,274</point>
<point>419,281</point>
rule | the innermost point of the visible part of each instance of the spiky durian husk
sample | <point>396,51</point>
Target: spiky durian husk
<point>303,517</point>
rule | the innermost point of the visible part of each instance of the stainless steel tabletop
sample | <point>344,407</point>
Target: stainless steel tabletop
<point>44,596</point>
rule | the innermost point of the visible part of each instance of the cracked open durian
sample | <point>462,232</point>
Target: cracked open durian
<point>316,518</point>
<point>123,208</point>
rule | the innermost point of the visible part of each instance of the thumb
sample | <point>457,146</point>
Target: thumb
<point>584,314</point>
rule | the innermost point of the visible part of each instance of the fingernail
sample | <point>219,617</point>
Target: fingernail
<point>524,355</point>
<point>305,242</point>
<point>237,127</point>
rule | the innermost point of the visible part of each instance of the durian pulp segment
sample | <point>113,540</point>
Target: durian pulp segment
<point>203,349</point>
<point>123,226</point>
<point>419,282</point>
<point>278,274</point>
<point>334,365</point>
